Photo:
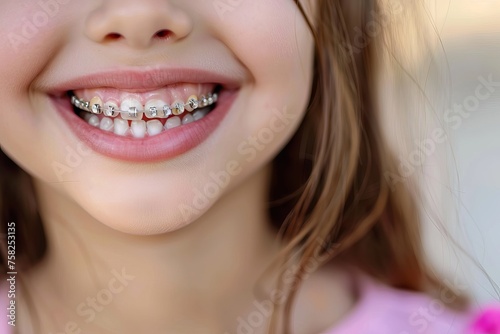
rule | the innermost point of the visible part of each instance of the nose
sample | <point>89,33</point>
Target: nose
<point>137,23</point>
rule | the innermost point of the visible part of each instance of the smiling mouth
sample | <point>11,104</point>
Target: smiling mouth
<point>144,114</point>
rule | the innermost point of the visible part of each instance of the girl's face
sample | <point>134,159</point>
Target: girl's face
<point>151,168</point>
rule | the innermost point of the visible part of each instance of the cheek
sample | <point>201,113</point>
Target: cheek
<point>272,40</point>
<point>31,33</point>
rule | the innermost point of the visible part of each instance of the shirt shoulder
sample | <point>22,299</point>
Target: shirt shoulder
<point>385,310</point>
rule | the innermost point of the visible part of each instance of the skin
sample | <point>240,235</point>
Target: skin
<point>204,265</point>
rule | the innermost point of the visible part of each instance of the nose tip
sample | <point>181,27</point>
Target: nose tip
<point>137,24</point>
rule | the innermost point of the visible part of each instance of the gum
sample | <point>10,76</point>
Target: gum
<point>169,94</point>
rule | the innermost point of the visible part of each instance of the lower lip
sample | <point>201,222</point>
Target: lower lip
<point>167,145</point>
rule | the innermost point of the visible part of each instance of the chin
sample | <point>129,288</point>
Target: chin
<point>146,212</point>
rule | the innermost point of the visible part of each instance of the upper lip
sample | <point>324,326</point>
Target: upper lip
<point>143,80</point>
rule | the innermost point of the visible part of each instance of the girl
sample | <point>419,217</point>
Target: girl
<point>213,166</point>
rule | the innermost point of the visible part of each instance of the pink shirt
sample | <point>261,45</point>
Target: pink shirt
<point>385,310</point>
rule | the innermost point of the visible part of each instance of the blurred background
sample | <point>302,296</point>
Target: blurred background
<point>470,34</point>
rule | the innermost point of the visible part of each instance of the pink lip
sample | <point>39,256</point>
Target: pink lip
<point>136,80</point>
<point>164,146</point>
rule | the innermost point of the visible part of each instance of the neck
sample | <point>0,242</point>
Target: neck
<point>208,269</point>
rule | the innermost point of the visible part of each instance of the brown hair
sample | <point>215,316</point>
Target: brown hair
<point>328,183</point>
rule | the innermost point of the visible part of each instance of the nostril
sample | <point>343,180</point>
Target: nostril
<point>163,34</point>
<point>113,36</point>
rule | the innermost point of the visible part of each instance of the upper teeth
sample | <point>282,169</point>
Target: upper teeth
<point>132,109</point>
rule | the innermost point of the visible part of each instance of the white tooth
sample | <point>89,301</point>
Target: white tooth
<point>96,105</point>
<point>106,109</point>
<point>158,104</point>
<point>192,103</point>
<point>94,121</point>
<point>138,129</point>
<point>106,124</point>
<point>172,122</point>
<point>167,111</point>
<point>121,127</point>
<point>188,119</point>
<point>154,127</point>
<point>178,108</point>
<point>131,103</point>
<point>199,114</point>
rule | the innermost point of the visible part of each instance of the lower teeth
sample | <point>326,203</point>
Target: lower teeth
<point>141,129</point>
